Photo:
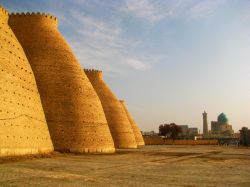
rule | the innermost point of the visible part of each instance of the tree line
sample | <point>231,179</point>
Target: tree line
<point>169,130</point>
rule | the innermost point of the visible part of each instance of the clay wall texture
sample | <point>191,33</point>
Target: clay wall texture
<point>136,130</point>
<point>72,108</point>
<point>118,122</point>
<point>161,141</point>
<point>23,127</point>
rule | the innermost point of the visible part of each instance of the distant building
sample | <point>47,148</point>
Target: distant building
<point>192,131</point>
<point>188,132</point>
<point>221,126</point>
<point>184,129</point>
<point>219,129</point>
<point>150,133</point>
<point>245,136</point>
<point>205,124</point>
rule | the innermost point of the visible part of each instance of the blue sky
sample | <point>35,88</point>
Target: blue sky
<point>168,59</point>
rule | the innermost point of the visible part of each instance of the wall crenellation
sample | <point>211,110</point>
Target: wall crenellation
<point>34,15</point>
<point>92,70</point>
<point>3,11</point>
<point>46,15</point>
<point>4,15</point>
<point>93,73</point>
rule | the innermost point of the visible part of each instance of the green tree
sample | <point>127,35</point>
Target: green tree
<point>169,130</point>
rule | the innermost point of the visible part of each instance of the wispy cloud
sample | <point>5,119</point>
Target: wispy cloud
<point>137,64</point>
<point>204,8</point>
<point>157,10</point>
<point>101,44</point>
<point>97,30</point>
<point>150,10</point>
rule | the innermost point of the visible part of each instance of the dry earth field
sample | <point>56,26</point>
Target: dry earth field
<point>149,166</point>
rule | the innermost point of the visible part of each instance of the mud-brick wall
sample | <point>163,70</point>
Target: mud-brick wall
<point>153,140</point>
<point>136,130</point>
<point>23,128</point>
<point>160,141</point>
<point>119,124</point>
<point>72,108</point>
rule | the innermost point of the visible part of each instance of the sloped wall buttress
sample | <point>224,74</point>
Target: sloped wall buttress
<point>72,108</point>
<point>119,124</point>
<point>136,130</point>
<point>23,127</point>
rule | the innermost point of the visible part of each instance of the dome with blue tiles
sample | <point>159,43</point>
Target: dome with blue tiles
<point>222,118</point>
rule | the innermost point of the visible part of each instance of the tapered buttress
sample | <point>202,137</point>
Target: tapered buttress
<point>72,108</point>
<point>118,121</point>
<point>136,130</point>
<point>23,127</point>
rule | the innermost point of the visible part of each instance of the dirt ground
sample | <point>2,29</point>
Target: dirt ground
<point>149,166</point>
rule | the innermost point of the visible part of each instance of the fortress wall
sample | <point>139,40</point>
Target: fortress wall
<point>23,127</point>
<point>118,122</point>
<point>72,108</point>
<point>153,140</point>
<point>160,141</point>
<point>136,130</point>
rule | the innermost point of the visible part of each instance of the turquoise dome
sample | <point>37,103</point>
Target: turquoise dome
<point>222,118</point>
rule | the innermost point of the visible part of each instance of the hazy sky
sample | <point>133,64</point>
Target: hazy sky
<point>168,59</point>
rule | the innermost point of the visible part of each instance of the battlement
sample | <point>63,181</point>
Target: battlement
<point>93,73</point>
<point>122,101</point>
<point>33,15</point>
<point>3,13</point>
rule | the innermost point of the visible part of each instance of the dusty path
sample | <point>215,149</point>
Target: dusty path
<point>149,166</point>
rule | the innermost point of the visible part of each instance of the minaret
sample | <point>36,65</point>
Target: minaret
<point>205,125</point>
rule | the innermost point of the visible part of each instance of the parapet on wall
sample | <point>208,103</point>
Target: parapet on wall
<point>36,19</point>
<point>136,130</point>
<point>73,110</point>
<point>23,128</point>
<point>118,122</point>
